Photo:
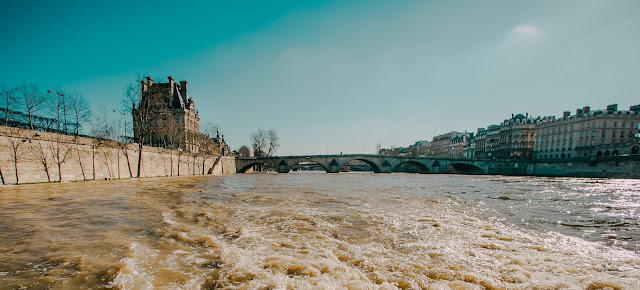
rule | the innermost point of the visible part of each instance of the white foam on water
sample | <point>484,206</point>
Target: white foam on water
<point>384,240</point>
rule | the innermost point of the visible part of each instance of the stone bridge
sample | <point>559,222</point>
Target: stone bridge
<point>379,163</point>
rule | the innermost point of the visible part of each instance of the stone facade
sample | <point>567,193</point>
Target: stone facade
<point>589,134</point>
<point>166,116</point>
<point>517,137</point>
<point>486,142</point>
<point>450,145</point>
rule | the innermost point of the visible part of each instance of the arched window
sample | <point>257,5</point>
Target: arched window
<point>635,150</point>
<point>607,153</point>
<point>599,154</point>
<point>614,153</point>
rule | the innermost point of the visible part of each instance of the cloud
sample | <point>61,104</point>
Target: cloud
<point>526,30</point>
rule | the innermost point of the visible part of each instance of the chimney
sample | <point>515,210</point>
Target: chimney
<point>149,81</point>
<point>183,90</point>
<point>171,86</point>
<point>578,111</point>
<point>566,114</point>
<point>144,87</point>
<point>586,109</point>
<point>612,107</point>
<point>635,108</point>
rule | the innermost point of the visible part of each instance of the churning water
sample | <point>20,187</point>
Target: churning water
<point>327,231</point>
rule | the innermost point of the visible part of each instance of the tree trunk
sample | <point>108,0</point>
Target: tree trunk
<point>93,161</point>
<point>126,155</point>
<point>139,158</point>
<point>80,162</point>
<point>15,166</point>
<point>46,169</point>
<point>2,176</point>
<point>60,172</point>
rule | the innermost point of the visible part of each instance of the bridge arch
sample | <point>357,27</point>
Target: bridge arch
<point>308,161</point>
<point>251,165</point>
<point>375,167</point>
<point>462,168</point>
<point>411,167</point>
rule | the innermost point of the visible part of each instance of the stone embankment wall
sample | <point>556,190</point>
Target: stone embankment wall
<point>601,167</point>
<point>83,158</point>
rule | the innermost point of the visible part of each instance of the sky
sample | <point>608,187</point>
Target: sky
<point>336,76</point>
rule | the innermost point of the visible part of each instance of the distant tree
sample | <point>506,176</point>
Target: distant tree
<point>207,147</point>
<point>31,99</point>
<point>80,111</point>
<point>8,100</point>
<point>274,142</point>
<point>259,143</point>
<point>244,151</point>
<point>378,148</point>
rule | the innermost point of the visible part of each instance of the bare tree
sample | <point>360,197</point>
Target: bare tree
<point>77,156</point>
<point>145,114</point>
<point>244,151</point>
<point>8,99</point>
<point>274,142</point>
<point>208,147</point>
<point>378,147</point>
<point>259,143</point>
<point>59,152</point>
<point>31,99</point>
<point>39,152</point>
<point>80,110</point>
<point>16,141</point>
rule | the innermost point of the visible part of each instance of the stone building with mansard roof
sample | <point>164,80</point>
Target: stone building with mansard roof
<point>589,134</point>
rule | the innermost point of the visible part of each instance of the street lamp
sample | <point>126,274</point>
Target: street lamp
<point>64,110</point>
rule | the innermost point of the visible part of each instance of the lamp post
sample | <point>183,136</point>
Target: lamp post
<point>64,109</point>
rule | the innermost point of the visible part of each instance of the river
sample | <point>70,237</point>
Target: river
<point>327,231</point>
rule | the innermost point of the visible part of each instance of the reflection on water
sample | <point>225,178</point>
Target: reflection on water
<point>305,230</point>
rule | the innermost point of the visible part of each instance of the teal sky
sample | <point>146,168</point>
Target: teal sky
<point>335,76</point>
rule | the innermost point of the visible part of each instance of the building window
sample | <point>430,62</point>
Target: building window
<point>593,134</point>
<point>613,134</point>
<point>624,124</point>
<point>604,124</point>
<point>615,124</point>
<point>604,133</point>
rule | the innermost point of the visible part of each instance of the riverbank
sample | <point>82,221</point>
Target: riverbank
<point>36,157</point>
